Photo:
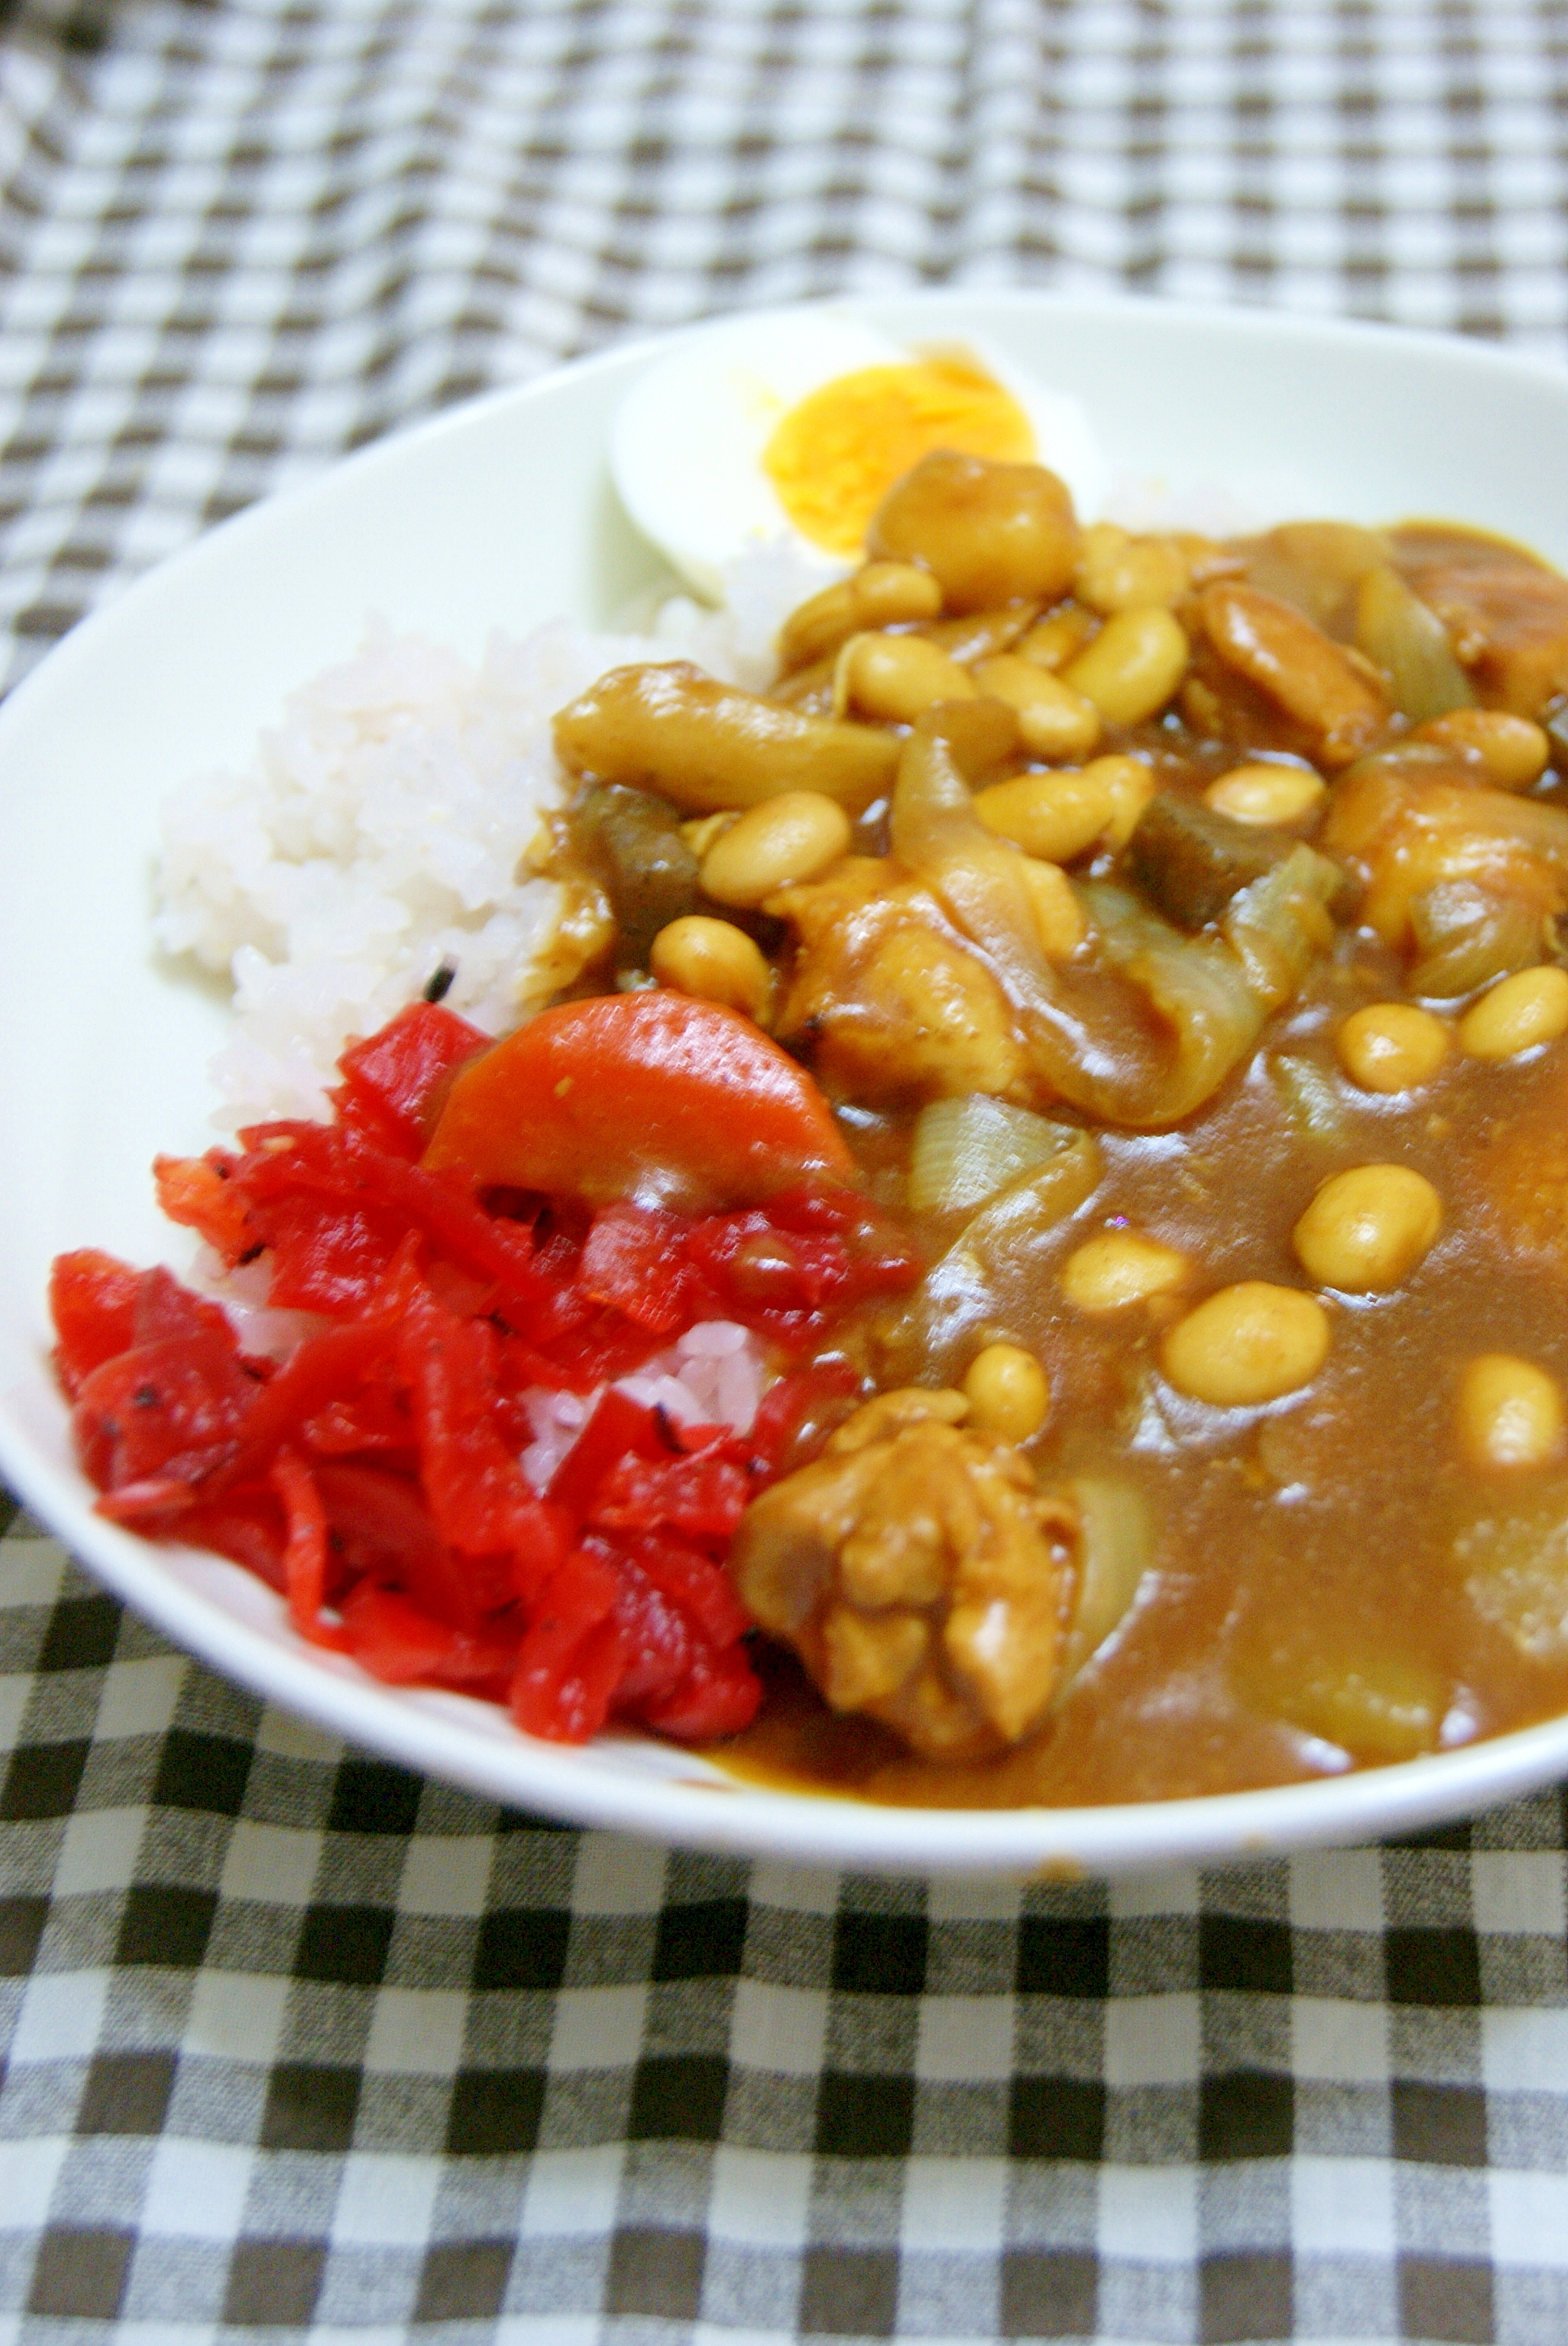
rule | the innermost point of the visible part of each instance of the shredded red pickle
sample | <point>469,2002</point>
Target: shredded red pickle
<point>373,1477</point>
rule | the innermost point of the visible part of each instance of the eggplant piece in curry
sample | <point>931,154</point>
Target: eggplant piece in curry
<point>1175,928</point>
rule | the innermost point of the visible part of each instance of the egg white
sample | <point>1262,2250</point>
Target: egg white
<point>687,446</point>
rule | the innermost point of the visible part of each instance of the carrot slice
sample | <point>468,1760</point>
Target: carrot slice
<point>651,1094</point>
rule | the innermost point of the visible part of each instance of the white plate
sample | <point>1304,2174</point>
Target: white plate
<point>501,515</point>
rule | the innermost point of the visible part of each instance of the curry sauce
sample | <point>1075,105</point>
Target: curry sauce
<point>1358,1568</point>
<point>1306,1602</point>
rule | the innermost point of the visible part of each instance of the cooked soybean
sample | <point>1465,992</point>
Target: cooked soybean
<point>896,678</point>
<point>1368,1229</point>
<point>1056,816</point>
<point>1392,1047</point>
<point>1509,1412</point>
<point>1512,751</point>
<point>1249,1343</point>
<point>1119,572</point>
<point>715,961</point>
<point>1518,1013</point>
<point>1133,667</point>
<point>1009,1392</point>
<point>1118,1268</point>
<point>1267,794</point>
<point>1056,721</point>
<point>781,843</point>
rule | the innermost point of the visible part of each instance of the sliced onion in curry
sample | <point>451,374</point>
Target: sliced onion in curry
<point>1116,1548</point>
<point>1004,1244</point>
<point>1467,936</point>
<point>963,1151</point>
<point>1401,636</point>
<point>1151,1032</point>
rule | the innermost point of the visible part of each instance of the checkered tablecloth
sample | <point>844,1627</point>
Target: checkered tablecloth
<point>296,2046</point>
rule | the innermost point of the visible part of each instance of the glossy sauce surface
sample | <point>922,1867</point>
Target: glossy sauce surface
<point>1301,1542</point>
<point>1331,1582</point>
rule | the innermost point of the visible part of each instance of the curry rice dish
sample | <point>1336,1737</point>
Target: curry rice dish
<point>1173,928</point>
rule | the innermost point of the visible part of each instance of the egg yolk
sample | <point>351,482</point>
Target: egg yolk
<point>836,453</point>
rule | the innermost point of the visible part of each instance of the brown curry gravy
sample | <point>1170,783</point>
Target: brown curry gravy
<point>1294,1542</point>
<point>1308,1543</point>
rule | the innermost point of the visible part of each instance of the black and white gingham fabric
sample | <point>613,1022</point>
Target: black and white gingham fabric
<point>297,2042</point>
<point>297,2046</point>
<point>245,235</point>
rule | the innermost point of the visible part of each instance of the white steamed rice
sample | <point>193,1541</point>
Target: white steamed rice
<point>382,829</point>
<point>712,1375</point>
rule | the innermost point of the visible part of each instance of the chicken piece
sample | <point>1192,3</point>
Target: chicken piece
<point>920,1575</point>
<point>1506,613</point>
<point>899,1009</point>
<point>1420,845</point>
<point>1318,684</point>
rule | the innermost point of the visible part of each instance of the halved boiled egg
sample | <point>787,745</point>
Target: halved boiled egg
<point>791,427</point>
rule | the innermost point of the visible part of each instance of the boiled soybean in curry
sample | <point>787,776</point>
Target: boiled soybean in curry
<point>1174,926</point>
